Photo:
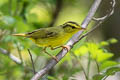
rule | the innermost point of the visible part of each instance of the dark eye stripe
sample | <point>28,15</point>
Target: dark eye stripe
<point>67,25</point>
<point>72,26</point>
<point>73,23</point>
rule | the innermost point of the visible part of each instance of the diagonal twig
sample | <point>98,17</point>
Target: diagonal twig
<point>19,52</point>
<point>58,8</point>
<point>100,20</point>
<point>15,59</point>
<point>79,61</point>
<point>32,61</point>
<point>10,55</point>
<point>70,43</point>
<point>111,11</point>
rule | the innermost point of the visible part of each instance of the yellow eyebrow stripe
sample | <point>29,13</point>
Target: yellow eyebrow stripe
<point>73,25</point>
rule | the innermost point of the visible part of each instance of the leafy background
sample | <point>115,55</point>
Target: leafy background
<point>98,54</point>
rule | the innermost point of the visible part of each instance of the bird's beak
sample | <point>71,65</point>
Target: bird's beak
<point>82,28</point>
<point>21,34</point>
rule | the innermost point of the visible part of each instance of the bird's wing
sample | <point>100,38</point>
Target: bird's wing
<point>49,34</point>
<point>44,33</point>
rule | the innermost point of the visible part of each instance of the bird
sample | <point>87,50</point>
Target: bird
<point>53,37</point>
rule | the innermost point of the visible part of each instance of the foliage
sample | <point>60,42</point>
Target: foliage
<point>19,16</point>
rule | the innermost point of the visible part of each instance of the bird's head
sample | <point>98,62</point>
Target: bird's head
<point>71,26</point>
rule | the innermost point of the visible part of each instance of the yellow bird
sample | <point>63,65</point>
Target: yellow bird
<point>53,36</point>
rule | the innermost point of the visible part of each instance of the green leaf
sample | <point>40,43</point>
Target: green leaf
<point>109,71</point>
<point>38,14</point>
<point>113,40</point>
<point>81,51</point>
<point>3,2</point>
<point>107,64</point>
<point>104,43</point>
<point>8,38</point>
<point>98,77</point>
<point>21,26</point>
<point>112,70</point>
<point>103,56</point>
<point>7,22</point>
<point>93,49</point>
<point>51,78</point>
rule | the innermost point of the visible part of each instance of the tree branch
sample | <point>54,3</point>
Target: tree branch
<point>71,42</point>
<point>91,13</point>
<point>58,8</point>
<point>19,52</point>
<point>32,61</point>
<point>111,11</point>
<point>15,59</point>
<point>12,57</point>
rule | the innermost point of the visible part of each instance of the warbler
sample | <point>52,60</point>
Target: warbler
<point>53,36</point>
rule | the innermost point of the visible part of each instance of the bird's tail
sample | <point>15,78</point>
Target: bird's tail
<point>21,34</point>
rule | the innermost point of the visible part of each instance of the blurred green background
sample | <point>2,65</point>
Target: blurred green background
<point>101,47</point>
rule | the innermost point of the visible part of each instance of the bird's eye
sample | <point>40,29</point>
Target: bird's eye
<point>72,27</point>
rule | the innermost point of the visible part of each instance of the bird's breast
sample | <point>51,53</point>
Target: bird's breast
<point>53,41</point>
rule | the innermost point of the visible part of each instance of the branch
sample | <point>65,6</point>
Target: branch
<point>79,60</point>
<point>22,12</point>
<point>19,52</point>
<point>12,57</point>
<point>91,13</point>
<point>72,41</point>
<point>97,65</point>
<point>32,61</point>
<point>111,11</point>
<point>59,4</point>
<point>15,59</point>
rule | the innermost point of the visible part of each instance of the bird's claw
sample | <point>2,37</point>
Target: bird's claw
<point>66,47</point>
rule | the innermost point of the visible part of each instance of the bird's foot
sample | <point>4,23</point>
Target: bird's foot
<point>66,47</point>
<point>54,57</point>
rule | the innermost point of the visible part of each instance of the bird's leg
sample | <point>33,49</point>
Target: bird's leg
<point>54,57</point>
<point>63,47</point>
<point>66,47</point>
